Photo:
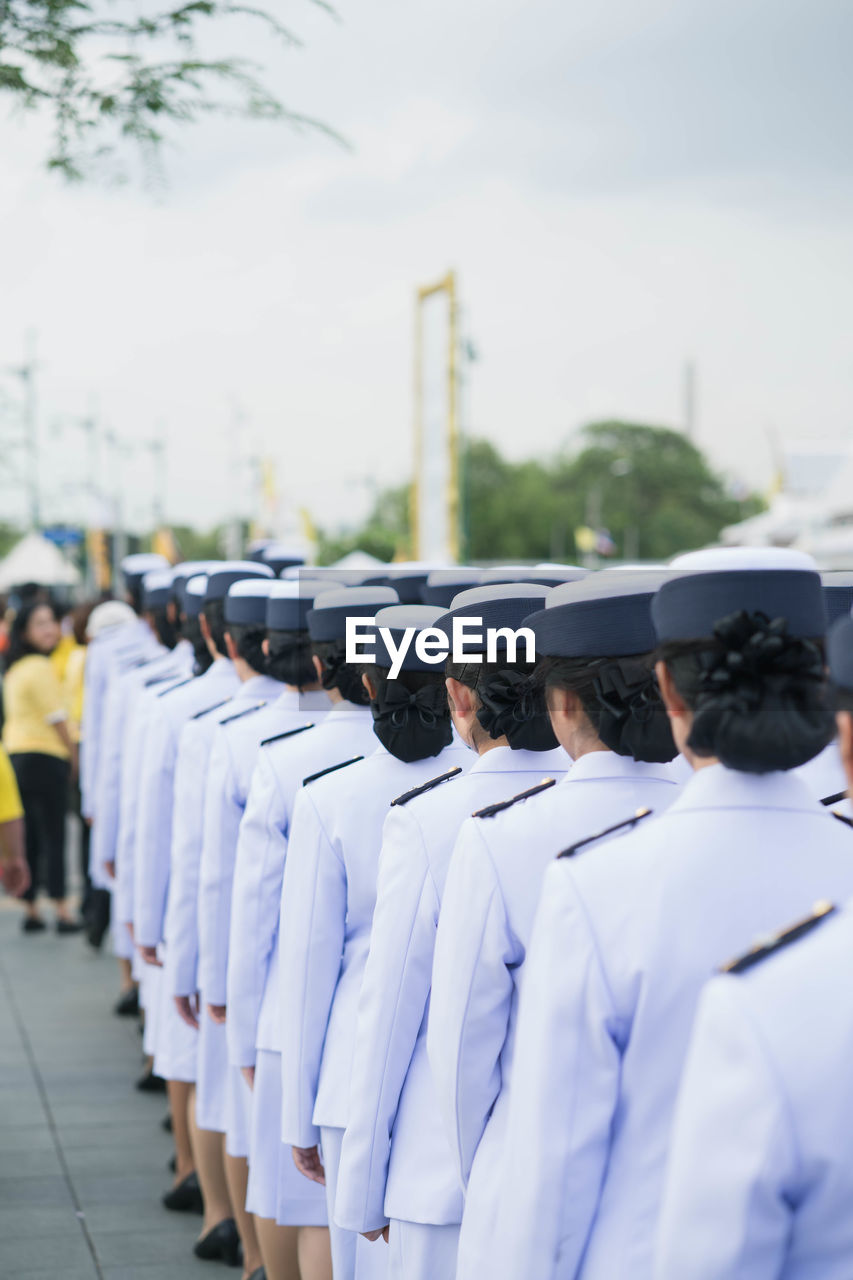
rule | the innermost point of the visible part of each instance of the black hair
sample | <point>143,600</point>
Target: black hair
<point>510,702</point>
<point>191,630</point>
<point>289,658</point>
<point>411,716</point>
<point>248,640</point>
<point>166,631</point>
<point>338,673</point>
<point>759,697</point>
<point>621,700</point>
<point>214,616</point>
<point>19,645</point>
<point>133,590</point>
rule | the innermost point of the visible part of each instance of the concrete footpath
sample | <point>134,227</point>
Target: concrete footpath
<point>82,1154</point>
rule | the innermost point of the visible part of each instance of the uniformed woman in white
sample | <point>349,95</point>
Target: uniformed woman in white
<point>328,895</point>
<point>290,1210</point>
<point>243,608</point>
<point>760,1176</point>
<point>396,1161</point>
<point>236,744</point>
<point>628,932</point>
<point>593,637</point>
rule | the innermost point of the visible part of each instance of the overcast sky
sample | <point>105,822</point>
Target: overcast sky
<point>621,186</point>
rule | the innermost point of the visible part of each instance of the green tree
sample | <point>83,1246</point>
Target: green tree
<point>106,79</point>
<point>197,544</point>
<point>509,508</point>
<point>650,487</point>
<point>385,534</point>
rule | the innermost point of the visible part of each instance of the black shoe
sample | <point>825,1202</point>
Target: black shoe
<point>185,1197</point>
<point>221,1244</point>
<point>33,924</point>
<point>149,1083</point>
<point>166,1124</point>
<point>98,918</point>
<point>127,1005</point>
<point>69,926</point>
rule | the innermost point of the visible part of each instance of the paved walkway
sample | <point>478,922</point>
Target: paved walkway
<point>82,1154</point>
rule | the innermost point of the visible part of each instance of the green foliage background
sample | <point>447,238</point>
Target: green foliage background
<point>650,487</point>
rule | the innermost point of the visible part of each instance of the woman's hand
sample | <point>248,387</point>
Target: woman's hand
<point>309,1164</point>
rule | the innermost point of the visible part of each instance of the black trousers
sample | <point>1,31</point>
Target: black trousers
<point>43,783</point>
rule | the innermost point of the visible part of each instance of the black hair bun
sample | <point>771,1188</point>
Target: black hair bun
<point>632,719</point>
<point>513,706</point>
<point>760,702</point>
<point>343,676</point>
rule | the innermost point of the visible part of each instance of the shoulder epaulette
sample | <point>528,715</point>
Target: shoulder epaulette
<point>842,817</point>
<point>205,711</point>
<point>179,685</point>
<point>491,809</point>
<point>427,786</point>
<point>288,733</point>
<point>155,680</point>
<point>312,777</point>
<point>608,831</point>
<point>835,799</point>
<point>247,711</point>
<point>766,946</point>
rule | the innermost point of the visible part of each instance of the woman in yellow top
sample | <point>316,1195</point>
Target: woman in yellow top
<point>40,746</point>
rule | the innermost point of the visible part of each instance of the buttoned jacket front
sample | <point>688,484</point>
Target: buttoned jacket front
<point>626,936</point>
<point>760,1176</point>
<point>328,895</point>
<point>192,781</point>
<point>489,903</point>
<point>155,797</point>
<point>339,731</point>
<point>236,743</point>
<point>396,1161</point>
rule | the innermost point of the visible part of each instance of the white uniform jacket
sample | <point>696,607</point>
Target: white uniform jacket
<point>232,759</point>
<point>192,781</point>
<point>121,736</point>
<point>115,649</point>
<point>328,895</point>
<point>489,903</point>
<point>626,936</point>
<point>339,732</point>
<point>133,748</point>
<point>152,853</point>
<point>396,1160</point>
<point>760,1177</point>
<point>824,777</point>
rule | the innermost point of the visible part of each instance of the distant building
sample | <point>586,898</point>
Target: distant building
<point>811,508</point>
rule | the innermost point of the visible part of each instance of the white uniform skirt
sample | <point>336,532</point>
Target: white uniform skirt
<point>277,1190</point>
<point>122,945</point>
<point>150,980</point>
<point>211,1111</point>
<point>176,1046</point>
<point>238,1110</point>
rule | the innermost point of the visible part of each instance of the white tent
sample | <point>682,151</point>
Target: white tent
<point>358,560</point>
<point>35,559</point>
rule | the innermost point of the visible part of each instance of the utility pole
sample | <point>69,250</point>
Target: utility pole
<point>690,400</point>
<point>158,456</point>
<point>27,374</point>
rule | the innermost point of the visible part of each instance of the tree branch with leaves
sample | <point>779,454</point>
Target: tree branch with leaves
<point>107,79</point>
